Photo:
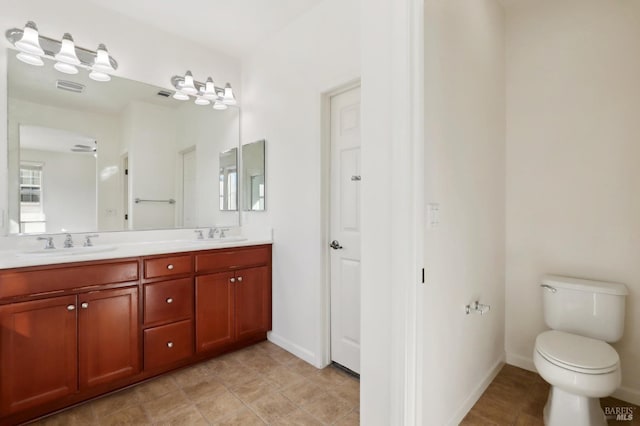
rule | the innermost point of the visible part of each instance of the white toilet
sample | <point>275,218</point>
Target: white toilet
<point>573,357</point>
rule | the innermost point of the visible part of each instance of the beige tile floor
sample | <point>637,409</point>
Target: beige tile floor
<point>262,384</point>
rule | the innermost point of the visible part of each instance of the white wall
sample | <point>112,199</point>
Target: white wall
<point>573,175</point>
<point>143,53</point>
<point>465,175</point>
<point>69,189</point>
<point>104,128</point>
<point>282,87</point>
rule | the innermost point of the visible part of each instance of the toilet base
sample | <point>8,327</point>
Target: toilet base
<point>564,408</point>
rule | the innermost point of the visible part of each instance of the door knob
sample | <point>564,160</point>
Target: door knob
<point>335,245</point>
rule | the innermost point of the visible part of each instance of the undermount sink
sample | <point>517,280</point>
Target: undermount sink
<point>71,251</point>
<point>230,239</point>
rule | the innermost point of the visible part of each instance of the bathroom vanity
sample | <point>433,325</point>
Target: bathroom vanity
<point>74,331</point>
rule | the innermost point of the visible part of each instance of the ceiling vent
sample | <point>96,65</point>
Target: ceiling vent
<point>164,93</point>
<point>70,86</point>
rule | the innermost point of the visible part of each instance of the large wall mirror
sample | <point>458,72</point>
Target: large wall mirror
<point>85,156</point>
<point>253,176</point>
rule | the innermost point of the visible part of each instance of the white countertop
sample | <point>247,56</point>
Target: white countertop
<point>110,248</point>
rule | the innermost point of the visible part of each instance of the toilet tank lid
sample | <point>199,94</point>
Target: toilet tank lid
<point>581,284</point>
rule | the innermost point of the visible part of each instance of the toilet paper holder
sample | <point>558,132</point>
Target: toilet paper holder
<point>477,308</point>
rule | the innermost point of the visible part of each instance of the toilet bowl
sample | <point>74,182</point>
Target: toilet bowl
<point>574,357</point>
<point>580,370</point>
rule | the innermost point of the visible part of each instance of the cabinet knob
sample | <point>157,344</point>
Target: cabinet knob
<point>170,300</point>
<point>84,305</point>
<point>169,344</point>
<point>170,266</point>
<point>71,307</point>
<point>233,280</point>
<point>239,279</point>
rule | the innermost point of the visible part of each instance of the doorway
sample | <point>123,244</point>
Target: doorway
<point>344,228</point>
<point>189,213</point>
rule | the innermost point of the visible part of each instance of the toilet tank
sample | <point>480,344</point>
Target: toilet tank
<point>589,308</point>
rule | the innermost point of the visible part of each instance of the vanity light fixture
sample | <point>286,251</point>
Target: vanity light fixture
<point>228,98</point>
<point>33,47</point>
<point>66,57</point>
<point>204,93</point>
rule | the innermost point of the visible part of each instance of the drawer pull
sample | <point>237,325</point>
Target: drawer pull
<point>71,307</point>
<point>233,280</point>
<point>170,300</point>
<point>169,344</point>
<point>170,266</point>
<point>239,279</point>
<point>84,305</point>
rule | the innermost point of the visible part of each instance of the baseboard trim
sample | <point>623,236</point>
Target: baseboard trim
<point>627,395</point>
<point>295,349</point>
<point>623,393</point>
<point>477,392</point>
<point>521,361</point>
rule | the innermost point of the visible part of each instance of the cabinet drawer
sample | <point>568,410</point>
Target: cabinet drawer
<point>221,260</point>
<point>167,344</point>
<point>37,280</point>
<point>168,301</point>
<point>167,266</point>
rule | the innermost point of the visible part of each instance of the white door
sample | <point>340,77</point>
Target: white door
<point>345,229</point>
<point>189,189</point>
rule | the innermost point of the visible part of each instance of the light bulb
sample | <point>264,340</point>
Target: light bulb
<point>219,106</point>
<point>102,63</point>
<point>180,96</point>
<point>30,41</point>
<point>30,59</point>
<point>99,76</point>
<point>210,90</point>
<point>65,68</point>
<point>188,87</point>
<point>202,101</point>
<point>228,98</point>
<point>67,53</point>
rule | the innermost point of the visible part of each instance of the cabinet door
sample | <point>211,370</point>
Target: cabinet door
<point>253,302</point>
<point>108,335</point>
<point>38,352</point>
<point>214,311</point>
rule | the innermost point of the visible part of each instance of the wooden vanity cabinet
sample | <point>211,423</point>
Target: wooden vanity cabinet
<point>71,332</point>
<point>168,311</point>
<point>234,304</point>
<point>38,352</point>
<point>57,346</point>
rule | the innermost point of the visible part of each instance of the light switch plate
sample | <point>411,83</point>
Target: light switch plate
<point>433,215</point>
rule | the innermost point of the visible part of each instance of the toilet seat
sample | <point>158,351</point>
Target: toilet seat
<point>577,353</point>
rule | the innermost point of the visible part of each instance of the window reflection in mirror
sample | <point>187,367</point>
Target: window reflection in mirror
<point>253,176</point>
<point>133,124</point>
<point>229,180</point>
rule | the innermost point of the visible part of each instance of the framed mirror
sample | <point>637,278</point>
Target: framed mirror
<point>86,156</point>
<point>253,176</point>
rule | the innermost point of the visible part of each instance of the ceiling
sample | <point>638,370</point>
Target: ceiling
<point>46,139</point>
<point>233,27</point>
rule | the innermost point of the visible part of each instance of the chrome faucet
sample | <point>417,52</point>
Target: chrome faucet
<point>222,231</point>
<point>68,241</point>
<point>49,242</point>
<point>199,234</point>
<point>212,232</point>
<point>87,240</point>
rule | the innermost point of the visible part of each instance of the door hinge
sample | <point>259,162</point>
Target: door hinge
<point>126,217</point>
<point>422,275</point>
<point>126,172</point>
